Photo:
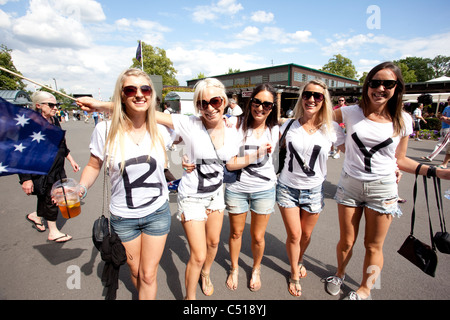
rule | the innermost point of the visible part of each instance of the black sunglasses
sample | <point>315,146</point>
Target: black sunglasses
<point>388,84</point>
<point>51,105</point>
<point>318,97</point>
<point>215,102</point>
<point>267,105</point>
<point>131,91</point>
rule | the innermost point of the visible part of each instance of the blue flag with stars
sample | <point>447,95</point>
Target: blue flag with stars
<point>28,142</point>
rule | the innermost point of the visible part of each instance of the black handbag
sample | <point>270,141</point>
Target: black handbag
<point>101,227</point>
<point>441,238</point>
<point>282,148</point>
<point>420,254</point>
<point>229,176</point>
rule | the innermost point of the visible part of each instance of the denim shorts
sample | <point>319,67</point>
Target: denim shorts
<point>261,202</point>
<point>310,200</point>
<point>154,224</point>
<point>379,195</point>
<point>194,208</point>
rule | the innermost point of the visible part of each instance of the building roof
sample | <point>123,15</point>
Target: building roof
<point>18,97</point>
<point>178,95</point>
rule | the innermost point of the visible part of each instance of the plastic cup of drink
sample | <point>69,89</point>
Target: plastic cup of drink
<point>65,194</point>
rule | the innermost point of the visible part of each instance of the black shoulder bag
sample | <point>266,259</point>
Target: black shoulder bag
<point>441,238</point>
<point>282,148</point>
<point>420,254</point>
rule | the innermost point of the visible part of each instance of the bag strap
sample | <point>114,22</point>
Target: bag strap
<point>425,187</point>
<point>105,208</point>
<point>210,139</point>
<point>286,131</point>
<point>413,214</point>
<point>438,194</point>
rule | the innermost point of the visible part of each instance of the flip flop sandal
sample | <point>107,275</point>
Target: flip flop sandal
<point>35,224</point>
<point>56,239</point>
<point>234,272</point>
<point>256,273</point>
<point>295,283</point>
<point>302,271</point>
<point>208,284</point>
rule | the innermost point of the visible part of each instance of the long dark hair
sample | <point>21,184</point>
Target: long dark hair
<point>246,120</point>
<point>394,105</point>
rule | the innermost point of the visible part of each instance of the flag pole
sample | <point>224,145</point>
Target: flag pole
<point>53,90</point>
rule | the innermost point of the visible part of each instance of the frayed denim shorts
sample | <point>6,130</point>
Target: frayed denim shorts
<point>154,224</point>
<point>379,195</point>
<point>195,208</point>
<point>310,200</point>
<point>262,202</point>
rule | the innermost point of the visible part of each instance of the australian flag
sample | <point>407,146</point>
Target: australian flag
<point>28,142</point>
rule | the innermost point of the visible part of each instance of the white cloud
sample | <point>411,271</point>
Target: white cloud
<point>262,16</point>
<point>212,12</point>
<point>5,21</point>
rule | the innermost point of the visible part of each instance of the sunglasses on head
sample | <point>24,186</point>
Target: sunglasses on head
<point>267,105</point>
<point>51,105</point>
<point>131,91</point>
<point>388,84</point>
<point>215,102</point>
<point>318,97</point>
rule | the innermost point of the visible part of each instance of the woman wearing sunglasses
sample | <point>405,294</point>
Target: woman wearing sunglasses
<point>376,143</point>
<point>45,103</point>
<point>132,147</point>
<point>254,189</point>
<point>209,144</point>
<point>299,189</point>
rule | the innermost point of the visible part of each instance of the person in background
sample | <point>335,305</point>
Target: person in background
<point>417,117</point>
<point>45,103</point>
<point>444,138</point>
<point>335,153</point>
<point>300,184</point>
<point>233,109</point>
<point>132,147</point>
<point>254,189</point>
<point>375,147</point>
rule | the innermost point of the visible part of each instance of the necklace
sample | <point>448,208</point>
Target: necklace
<point>137,137</point>
<point>311,130</point>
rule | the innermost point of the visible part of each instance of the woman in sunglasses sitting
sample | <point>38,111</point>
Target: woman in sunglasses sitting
<point>209,144</point>
<point>254,188</point>
<point>375,145</point>
<point>132,147</point>
<point>299,190</point>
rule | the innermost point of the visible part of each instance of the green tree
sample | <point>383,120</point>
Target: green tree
<point>441,66</point>
<point>421,67</point>
<point>231,71</point>
<point>409,76</point>
<point>156,62</point>
<point>201,75</point>
<point>340,66</point>
<point>7,80</point>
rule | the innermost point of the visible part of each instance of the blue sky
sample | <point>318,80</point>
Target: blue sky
<point>85,44</point>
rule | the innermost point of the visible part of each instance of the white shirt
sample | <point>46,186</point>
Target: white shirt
<point>258,176</point>
<point>142,188</point>
<point>207,178</point>
<point>305,166</point>
<point>377,160</point>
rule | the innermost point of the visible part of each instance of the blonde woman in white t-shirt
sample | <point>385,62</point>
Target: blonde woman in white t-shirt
<point>300,184</point>
<point>375,145</point>
<point>134,151</point>
<point>209,145</point>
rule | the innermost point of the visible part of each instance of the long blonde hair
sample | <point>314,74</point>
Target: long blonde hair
<point>120,121</point>
<point>324,118</point>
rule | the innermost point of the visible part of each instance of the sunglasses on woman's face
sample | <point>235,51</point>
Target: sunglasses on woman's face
<point>318,97</point>
<point>388,84</point>
<point>51,105</point>
<point>215,102</point>
<point>131,91</point>
<point>267,105</point>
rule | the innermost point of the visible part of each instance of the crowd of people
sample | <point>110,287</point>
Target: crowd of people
<point>375,141</point>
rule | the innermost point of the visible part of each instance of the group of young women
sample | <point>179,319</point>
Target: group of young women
<point>133,145</point>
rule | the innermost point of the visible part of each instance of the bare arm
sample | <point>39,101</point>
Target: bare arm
<point>91,172</point>
<point>408,165</point>
<point>237,163</point>
<point>90,104</point>
<point>164,119</point>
